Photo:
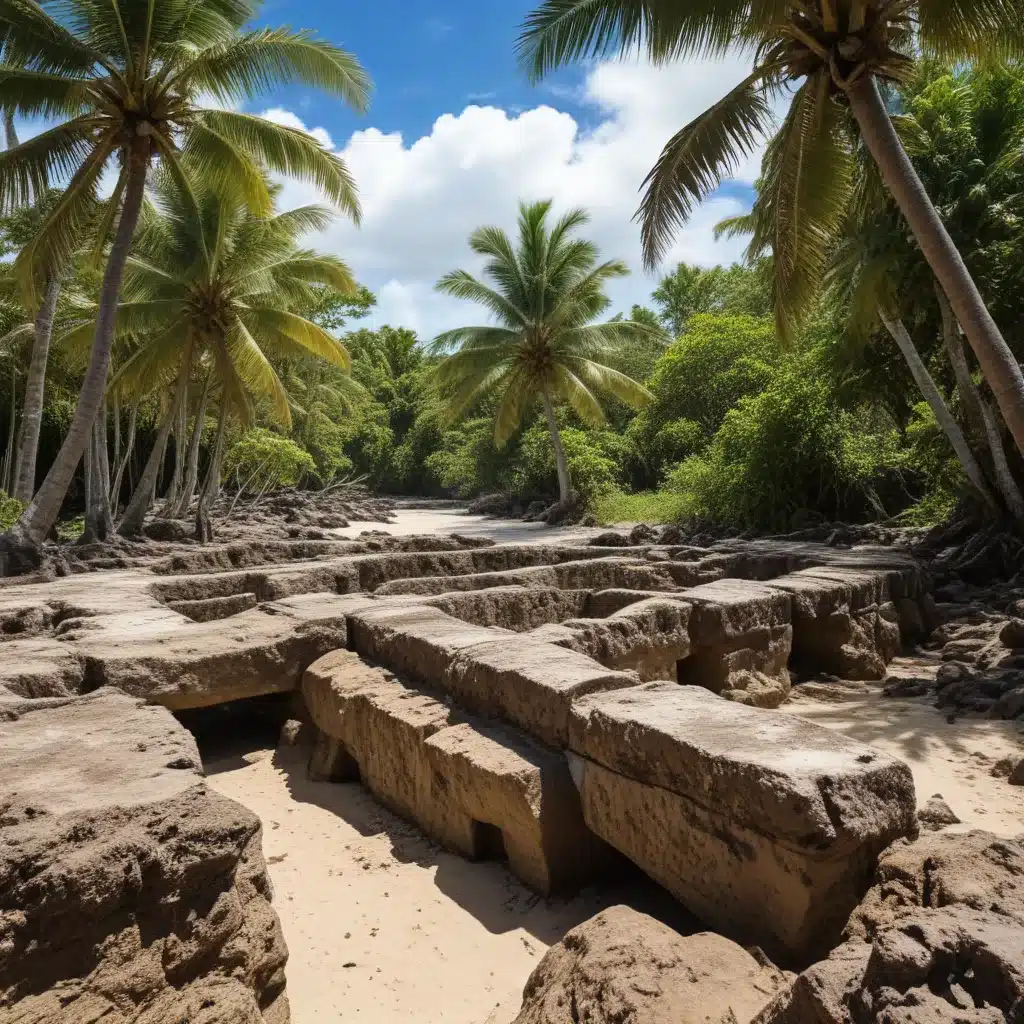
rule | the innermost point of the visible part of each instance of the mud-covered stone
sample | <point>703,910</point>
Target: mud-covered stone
<point>624,967</point>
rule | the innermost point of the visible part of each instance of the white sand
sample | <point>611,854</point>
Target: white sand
<point>447,521</point>
<point>383,926</point>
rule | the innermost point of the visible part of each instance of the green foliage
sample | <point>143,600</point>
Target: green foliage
<point>691,290</point>
<point>665,506</point>
<point>10,510</point>
<point>261,460</point>
<point>548,290</point>
<point>594,458</point>
<point>784,456</point>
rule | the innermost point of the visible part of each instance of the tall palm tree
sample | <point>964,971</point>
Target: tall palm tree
<point>210,288</point>
<point>125,81</point>
<point>838,51</point>
<point>880,276</point>
<point>547,292</point>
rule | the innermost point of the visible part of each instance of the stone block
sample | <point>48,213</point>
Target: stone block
<point>496,777</point>
<point>765,826</point>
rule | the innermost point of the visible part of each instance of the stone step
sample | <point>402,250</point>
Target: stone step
<point>527,683</point>
<point>481,789</point>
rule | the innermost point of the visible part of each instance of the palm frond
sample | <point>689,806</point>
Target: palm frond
<point>562,31</point>
<point>266,59</point>
<point>287,151</point>
<point>461,284</point>
<point>312,338</point>
<point>698,157</point>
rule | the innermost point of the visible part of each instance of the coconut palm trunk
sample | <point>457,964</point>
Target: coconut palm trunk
<point>211,485</point>
<point>564,482</point>
<point>35,385</point>
<point>937,404</point>
<point>188,488</point>
<point>12,427</point>
<point>25,538</point>
<point>129,447</point>
<point>979,415</point>
<point>142,498</point>
<point>98,521</point>
<point>177,475</point>
<point>1000,368</point>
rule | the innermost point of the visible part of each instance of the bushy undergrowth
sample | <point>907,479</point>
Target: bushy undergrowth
<point>663,506</point>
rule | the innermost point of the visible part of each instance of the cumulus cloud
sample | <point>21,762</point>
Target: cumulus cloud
<point>421,198</point>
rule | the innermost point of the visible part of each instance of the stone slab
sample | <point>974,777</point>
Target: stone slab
<point>762,824</point>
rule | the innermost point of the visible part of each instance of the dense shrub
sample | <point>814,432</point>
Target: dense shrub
<point>593,457</point>
<point>261,460</point>
<point>784,456</point>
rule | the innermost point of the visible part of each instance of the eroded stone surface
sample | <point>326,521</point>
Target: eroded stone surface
<point>623,967</point>
<point>765,826</point>
<point>939,939</point>
<point>482,789</point>
<point>128,890</point>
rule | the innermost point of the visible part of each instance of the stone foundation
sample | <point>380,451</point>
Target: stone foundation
<point>510,664</point>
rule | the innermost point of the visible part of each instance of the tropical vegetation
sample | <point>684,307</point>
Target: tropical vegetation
<point>177,337</point>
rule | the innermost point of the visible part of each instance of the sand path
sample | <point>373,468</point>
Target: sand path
<point>384,926</point>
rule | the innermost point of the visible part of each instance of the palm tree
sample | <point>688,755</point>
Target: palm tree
<point>880,276</point>
<point>838,50</point>
<point>210,288</point>
<point>125,81</point>
<point>547,292</point>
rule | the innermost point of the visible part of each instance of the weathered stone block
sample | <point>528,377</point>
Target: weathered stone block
<point>648,636</point>
<point>128,890</point>
<point>497,777</point>
<point>528,684</point>
<point>764,825</point>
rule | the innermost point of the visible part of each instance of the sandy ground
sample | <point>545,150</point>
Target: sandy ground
<point>951,758</point>
<point>384,926</point>
<point>448,521</point>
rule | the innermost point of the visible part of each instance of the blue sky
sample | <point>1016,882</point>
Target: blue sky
<point>456,135</point>
<point>425,57</point>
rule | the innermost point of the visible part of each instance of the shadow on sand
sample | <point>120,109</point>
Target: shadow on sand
<point>486,889</point>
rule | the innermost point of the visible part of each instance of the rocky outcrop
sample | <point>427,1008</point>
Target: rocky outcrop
<point>623,967</point>
<point>767,827</point>
<point>129,892</point>
<point>939,939</point>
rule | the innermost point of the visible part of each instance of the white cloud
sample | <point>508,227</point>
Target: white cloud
<point>421,199</point>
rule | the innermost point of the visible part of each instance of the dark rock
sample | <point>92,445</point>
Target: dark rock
<point>173,530</point>
<point>610,539</point>
<point>670,534</point>
<point>952,672</point>
<point>642,533</point>
<point>1012,633</point>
